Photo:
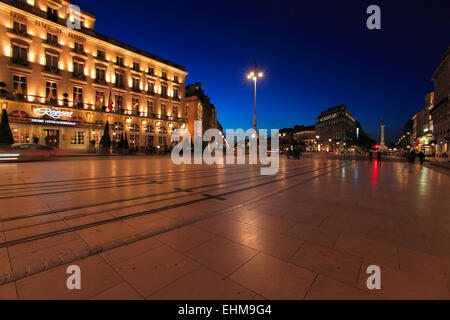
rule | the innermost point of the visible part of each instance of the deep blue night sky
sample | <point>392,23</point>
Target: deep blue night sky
<point>314,54</point>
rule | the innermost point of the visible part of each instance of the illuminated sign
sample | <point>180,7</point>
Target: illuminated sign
<point>53,122</point>
<point>53,113</point>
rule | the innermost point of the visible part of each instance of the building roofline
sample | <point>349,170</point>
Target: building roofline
<point>89,32</point>
<point>439,67</point>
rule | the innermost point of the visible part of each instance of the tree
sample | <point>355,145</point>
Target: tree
<point>106,139</point>
<point>6,137</point>
<point>126,145</point>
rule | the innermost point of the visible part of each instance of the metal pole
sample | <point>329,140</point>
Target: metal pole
<point>255,121</point>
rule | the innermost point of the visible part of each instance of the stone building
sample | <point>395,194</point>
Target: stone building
<point>200,108</point>
<point>336,127</point>
<point>64,84</point>
<point>440,114</point>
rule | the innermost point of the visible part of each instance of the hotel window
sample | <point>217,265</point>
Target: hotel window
<point>78,70</point>
<point>151,71</point>
<point>162,141</point>
<point>101,55</point>
<point>20,55</point>
<point>79,48</point>
<point>135,105</point>
<point>176,93</point>
<point>20,86</point>
<point>134,128</point>
<point>151,87</point>
<point>120,80</point>
<point>136,84</point>
<point>117,132</point>
<point>52,14</point>
<point>175,78</point>
<point>77,97</point>
<point>187,110</point>
<point>163,130</point>
<point>51,63</point>
<point>100,75</point>
<point>77,138</point>
<point>52,39</point>
<point>163,110</point>
<point>164,75</point>
<point>119,61</point>
<point>149,129</point>
<point>150,107</point>
<point>51,92</point>
<point>119,102</point>
<point>134,141</point>
<point>175,112</point>
<point>164,90</point>
<point>99,98</point>
<point>136,66</point>
<point>20,28</point>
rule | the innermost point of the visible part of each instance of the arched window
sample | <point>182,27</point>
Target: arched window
<point>149,129</point>
<point>163,130</point>
<point>134,127</point>
<point>99,123</point>
<point>118,126</point>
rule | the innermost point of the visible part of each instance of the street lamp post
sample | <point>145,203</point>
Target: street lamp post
<point>255,75</point>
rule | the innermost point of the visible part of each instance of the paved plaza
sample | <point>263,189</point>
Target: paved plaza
<point>143,228</point>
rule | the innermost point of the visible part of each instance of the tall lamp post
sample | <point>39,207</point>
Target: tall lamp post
<point>254,76</point>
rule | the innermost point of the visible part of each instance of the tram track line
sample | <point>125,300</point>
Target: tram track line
<point>80,216</point>
<point>156,210</point>
<point>117,177</point>
<point>108,183</point>
<point>109,187</point>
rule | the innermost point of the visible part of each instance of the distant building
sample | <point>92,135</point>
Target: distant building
<point>440,114</point>
<point>199,108</point>
<point>336,128</point>
<point>307,139</point>
<point>423,126</point>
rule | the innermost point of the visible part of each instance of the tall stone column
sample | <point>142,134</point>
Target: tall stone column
<point>383,146</point>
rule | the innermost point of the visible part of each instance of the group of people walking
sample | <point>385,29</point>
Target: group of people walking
<point>294,152</point>
<point>413,155</point>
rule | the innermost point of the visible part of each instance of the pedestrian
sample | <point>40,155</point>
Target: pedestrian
<point>379,158</point>
<point>411,159</point>
<point>421,157</point>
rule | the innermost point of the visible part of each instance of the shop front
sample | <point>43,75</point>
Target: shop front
<point>50,126</point>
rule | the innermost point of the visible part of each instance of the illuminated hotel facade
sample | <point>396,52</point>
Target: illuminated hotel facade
<point>61,85</point>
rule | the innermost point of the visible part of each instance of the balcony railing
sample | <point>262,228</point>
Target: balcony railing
<point>100,81</point>
<point>20,61</point>
<point>52,69</point>
<point>119,85</point>
<point>78,76</point>
<point>65,103</point>
<point>20,32</point>
<point>135,89</point>
<point>176,99</point>
<point>79,51</point>
<point>52,43</point>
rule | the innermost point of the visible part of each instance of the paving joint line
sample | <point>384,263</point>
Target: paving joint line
<point>87,252</point>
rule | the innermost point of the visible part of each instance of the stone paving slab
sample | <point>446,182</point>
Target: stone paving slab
<point>299,244</point>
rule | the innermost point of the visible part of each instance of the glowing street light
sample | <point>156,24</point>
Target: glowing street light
<point>254,76</point>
